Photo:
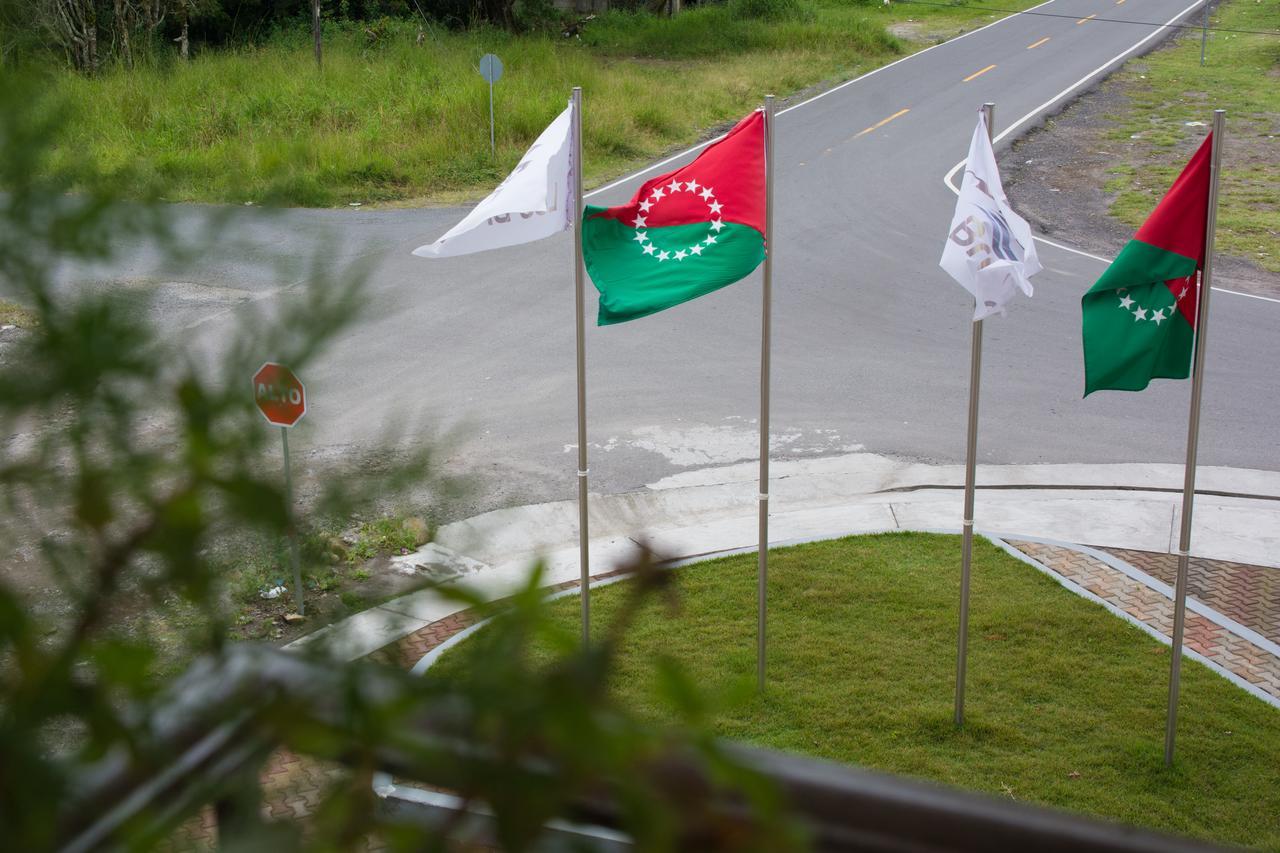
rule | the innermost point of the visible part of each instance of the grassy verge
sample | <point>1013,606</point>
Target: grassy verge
<point>396,120</point>
<point>1065,705</point>
<point>343,572</point>
<point>1169,91</point>
<point>12,314</point>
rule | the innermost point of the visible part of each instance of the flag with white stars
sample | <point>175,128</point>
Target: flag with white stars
<point>1139,319</point>
<point>683,234</point>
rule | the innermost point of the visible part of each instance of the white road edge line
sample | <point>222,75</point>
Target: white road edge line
<point>1070,90</point>
<point>832,90</point>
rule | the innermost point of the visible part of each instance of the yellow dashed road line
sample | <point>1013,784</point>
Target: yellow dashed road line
<point>977,73</point>
<point>1090,18</point>
<point>881,123</point>
<point>1037,44</point>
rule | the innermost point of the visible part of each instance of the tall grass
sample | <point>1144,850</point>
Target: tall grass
<point>1170,99</point>
<point>396,120</point>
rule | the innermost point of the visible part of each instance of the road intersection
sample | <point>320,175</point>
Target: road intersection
<point>870,336</point>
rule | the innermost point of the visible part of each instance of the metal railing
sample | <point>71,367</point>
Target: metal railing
<point>219,721</point>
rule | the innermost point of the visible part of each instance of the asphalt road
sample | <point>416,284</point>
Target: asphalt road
<point>871,339</point>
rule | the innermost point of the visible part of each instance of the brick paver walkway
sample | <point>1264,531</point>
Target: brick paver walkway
<point>1248,594</point>
<point>1241,657</point>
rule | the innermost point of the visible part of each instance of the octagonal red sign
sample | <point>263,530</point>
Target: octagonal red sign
<point>279,394</point>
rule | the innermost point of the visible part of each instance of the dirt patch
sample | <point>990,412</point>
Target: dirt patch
<point>355,588</point>
<point>1057,177</point>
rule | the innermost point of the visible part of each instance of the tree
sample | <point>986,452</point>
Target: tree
<point>73,26</point>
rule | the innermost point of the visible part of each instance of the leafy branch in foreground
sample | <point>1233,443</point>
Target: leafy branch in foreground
<point>128,458</point>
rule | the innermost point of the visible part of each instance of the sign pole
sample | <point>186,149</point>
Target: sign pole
<point>1193,440</point>
<point>970,477</point>
<point>282,400</point>
<point>762,579</point>
<point>491,71</point>
<point>579,298</point>
<point>293,531</point>
<point>1204,31</point>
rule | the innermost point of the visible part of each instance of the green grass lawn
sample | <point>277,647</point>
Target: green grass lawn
<point>395,121</point>
<point>1169,88</point>
<point>862,664</point>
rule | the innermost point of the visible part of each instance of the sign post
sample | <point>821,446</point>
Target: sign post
<point>491,70</point>
<point>282,399</point>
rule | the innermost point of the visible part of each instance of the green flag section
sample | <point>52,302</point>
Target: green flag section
<point>1139,317</point>
<point>683,234</point>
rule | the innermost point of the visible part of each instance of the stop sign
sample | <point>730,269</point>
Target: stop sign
<point>279,394</point>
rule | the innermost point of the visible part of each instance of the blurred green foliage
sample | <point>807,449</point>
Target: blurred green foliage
<point>130,462</point>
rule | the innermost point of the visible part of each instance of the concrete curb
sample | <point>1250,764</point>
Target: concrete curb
<point>1000,540</point>
<point>710,512</point>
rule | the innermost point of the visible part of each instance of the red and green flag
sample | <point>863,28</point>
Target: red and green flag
<point>683,234</point>
<point>1140,316</point>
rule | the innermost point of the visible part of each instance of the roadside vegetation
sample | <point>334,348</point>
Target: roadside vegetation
<point>1065,703</point>
<point>12,314</point>
<point>399,113</point>
<point>1171,100</point>
<point>344,570</point>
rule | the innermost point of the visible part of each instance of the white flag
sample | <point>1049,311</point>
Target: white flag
<point>989,249</point>
<point>535,201</point>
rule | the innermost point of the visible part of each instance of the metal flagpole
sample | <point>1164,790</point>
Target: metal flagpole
<point>970,466</point>
<point>1193,438</point>
<point>578,299</point>
<point>765,343</point>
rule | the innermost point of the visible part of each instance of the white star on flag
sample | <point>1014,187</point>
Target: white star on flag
<point>658,194</point>
<point>674,186</point>
<point>1158,316</point>
<point>645,205</point>
<point>706,193</point>
<point>639,223</point>
<point>641,237</point>
<point>716,225</point>
<point>691,186</point>
<point>662,256</point>
<point>649,248</point>
<point>1125,302</point>
<point>715,206</point>
<point>680,255</point>
<point>696,249</point>
<point>1139,313</point>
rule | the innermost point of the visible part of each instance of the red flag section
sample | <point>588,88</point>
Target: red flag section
<point>725,182</point>
<point>1179,222</point>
